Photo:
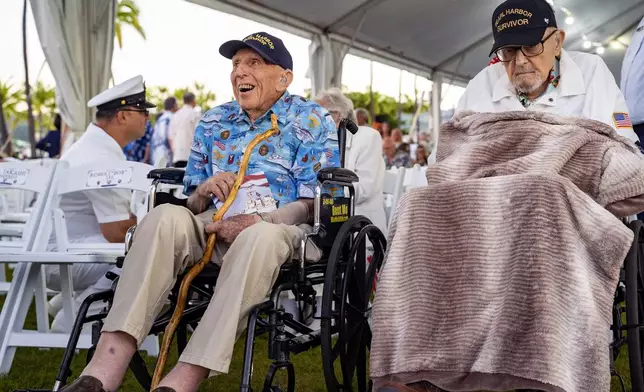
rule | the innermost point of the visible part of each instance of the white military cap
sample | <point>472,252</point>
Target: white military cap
<point>129,93</point>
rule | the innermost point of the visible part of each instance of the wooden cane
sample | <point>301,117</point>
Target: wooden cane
<point>210,246</point>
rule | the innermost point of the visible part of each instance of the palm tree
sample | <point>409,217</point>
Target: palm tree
<point>205,99</point>
<point>44,104</point>
<point>30,114</point>
<point>8,101</point>
<point>127,14</point>
<point>10,98</point>
<point>4,132</point>
<point>157,95</point>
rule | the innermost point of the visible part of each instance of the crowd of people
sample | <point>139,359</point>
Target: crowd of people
<point>263,230</point>
<point>396,152</point>
<point>168,142</point>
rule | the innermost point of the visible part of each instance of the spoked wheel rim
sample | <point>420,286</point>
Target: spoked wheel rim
<point>639,243</point>
<point>634,266</point>
<point>346,305</point>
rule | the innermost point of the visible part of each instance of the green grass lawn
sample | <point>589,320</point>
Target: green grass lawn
<point>37,368</point>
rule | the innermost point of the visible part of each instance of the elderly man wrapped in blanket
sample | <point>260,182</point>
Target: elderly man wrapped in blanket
<point>500,275</point>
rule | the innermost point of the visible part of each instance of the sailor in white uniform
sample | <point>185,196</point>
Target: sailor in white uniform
<point>100,215</point>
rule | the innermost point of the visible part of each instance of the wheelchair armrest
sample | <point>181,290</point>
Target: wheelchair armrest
<point>168,175</point>
<point>338,174</point>
<point>168,198</point>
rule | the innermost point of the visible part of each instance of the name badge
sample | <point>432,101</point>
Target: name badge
<point>254,196</point>
<point>13,176</point>
<point>108,178</point>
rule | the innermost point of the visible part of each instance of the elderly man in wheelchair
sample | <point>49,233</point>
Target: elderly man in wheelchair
<point>288,146</point>
<point>502,273</point>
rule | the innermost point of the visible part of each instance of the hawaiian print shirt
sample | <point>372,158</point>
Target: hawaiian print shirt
<point>553,78</point>
<point>307,142</point>
<point>135,151</point>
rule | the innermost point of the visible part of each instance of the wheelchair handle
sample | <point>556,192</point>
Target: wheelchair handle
<point>345,124</point>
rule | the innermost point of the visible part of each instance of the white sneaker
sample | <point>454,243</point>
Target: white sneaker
<point>88,291</point>
<point>65,324</point>
<point>55,304</point>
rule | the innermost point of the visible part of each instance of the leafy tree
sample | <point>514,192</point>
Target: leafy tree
<point>384,106</point>
<point>127,14</point>
<point>30,114</point>
<point>9,98</point>
<point>156,95</point>
<point>205,99</point>
<point>44,105</point>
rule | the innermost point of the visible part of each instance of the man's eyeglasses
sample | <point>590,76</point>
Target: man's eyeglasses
<point>145,112</point>
<point>509,53</point>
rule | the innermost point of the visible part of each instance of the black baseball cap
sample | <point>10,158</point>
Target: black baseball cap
<point>521,23</point>
<point>271,49</point>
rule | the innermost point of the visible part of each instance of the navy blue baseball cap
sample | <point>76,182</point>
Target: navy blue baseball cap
<point>271,49</point>
<point>521,23</point>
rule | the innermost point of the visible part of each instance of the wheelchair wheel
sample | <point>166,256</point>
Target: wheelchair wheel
<point>346,305</point>
<point>634,274</point>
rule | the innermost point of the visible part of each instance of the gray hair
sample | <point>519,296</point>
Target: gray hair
<point>336,101</point>
<point>364,112</point>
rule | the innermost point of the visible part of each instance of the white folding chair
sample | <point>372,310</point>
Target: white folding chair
<point>15,204</point>
<point>18,177</point>
<point>26,176</point>
<point>16,210</point>
<point>415,177</point>
<point>107,175</point>
<point>393,189</point>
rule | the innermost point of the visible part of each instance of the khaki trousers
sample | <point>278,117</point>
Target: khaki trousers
<point>171,238</point>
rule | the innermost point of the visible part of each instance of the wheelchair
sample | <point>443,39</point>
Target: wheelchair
<point>628,312</point>
<point>345,270</point>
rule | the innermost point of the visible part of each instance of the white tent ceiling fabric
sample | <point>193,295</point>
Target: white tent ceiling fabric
<point>325,63</point>
<point>77,38</point>
<point>452,37</point>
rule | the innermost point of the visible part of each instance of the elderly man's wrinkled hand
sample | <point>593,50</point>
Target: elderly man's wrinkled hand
<point>227,230</point>
<point>218,185</point>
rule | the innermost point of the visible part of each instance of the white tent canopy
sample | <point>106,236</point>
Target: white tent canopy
<point>450,37</point>
<point>443,40</point>
<point>77,38</point>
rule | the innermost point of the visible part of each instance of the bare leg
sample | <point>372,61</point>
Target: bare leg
<point>185,377</point>
<point>111,359</point>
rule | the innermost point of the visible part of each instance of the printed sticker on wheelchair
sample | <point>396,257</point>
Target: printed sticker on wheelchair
<point>340,213</point>
<point>13,176</point>
<point>334,209</point>
<point>108,178</point>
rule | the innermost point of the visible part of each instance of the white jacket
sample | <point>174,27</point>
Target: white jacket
<point>587,89</point>
<point>364,157</point>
